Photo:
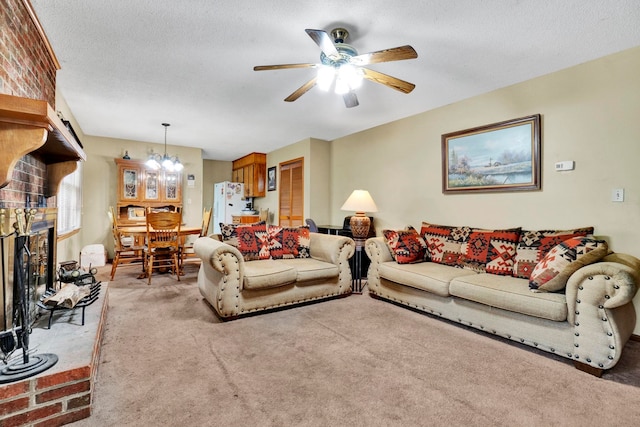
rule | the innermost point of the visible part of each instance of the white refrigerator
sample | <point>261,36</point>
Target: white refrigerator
<point>228,200</point>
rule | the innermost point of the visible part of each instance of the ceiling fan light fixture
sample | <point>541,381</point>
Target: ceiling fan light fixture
<point>342,86</point>
<point>326,74</point>
<point>352,75</point>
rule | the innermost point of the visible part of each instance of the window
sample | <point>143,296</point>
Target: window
<point>70,202</point>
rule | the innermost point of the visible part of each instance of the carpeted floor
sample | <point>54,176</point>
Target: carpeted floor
<point>167,360</point>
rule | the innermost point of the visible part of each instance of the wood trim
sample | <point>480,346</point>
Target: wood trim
<point>635,337</point>
<point>57,172</point>
<point>32,126</point>
<point>34,18</point>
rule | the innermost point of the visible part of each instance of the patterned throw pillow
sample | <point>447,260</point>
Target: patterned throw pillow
<point>553,271</point>
<point>406,246</point>
<point>534,245</point>
<point>252,240</point>
<point>444,243</point>
<point>289,242</point>
<point>491,251</point>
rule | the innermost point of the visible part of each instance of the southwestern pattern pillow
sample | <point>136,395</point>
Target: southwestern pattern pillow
<point>406,246</point>
<point>553,271</point>
<point>289,242</point>
<point>252,240</point>
<point>534,245</point>
<point>444,243</point>
<point>491,251</point>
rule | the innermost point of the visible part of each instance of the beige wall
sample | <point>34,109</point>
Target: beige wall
<point>213,171</point>
<point>589,115</point>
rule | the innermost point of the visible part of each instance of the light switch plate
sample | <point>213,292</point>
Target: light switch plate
<point>567,165</point>
<point>617,195</point>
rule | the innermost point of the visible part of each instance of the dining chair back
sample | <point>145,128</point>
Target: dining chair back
<point>124,249</point>
<point>163,242</point>
<point>188,252</point>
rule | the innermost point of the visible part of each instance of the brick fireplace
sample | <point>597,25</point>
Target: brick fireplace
<point>38,150</point>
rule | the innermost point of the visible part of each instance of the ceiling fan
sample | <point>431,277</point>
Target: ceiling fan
<point>341,66</point>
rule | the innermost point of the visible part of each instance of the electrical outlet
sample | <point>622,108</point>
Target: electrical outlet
<point>617,195</point>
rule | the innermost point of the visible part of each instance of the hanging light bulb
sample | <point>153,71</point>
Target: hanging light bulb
<point>326,75</point>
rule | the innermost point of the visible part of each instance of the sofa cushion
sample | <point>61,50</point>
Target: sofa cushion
<point>491,251</point>
<point>553,271</point>
<point>427,276</point>
<point>510,293</point>
<point>534,245</point>
<point>268,273</point>
<point>444,243</point>
<point>309,269</point>
<point>289,242</point>
<point>252,240</point>
<point>406,246</point>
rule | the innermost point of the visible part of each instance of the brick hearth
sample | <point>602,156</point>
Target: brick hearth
<point>63,393</point>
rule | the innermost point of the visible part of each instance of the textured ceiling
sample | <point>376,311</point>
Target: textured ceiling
<point>128,66</point>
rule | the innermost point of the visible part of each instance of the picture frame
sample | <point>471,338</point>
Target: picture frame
<point>498,157</point>
<point>271,178</point>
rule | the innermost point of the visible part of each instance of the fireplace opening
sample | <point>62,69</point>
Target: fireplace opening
<point>27,272</point>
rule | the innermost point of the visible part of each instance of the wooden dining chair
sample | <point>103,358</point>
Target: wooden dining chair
<point>125,251</point>
<point>188,253</point>
<point>163,242</point>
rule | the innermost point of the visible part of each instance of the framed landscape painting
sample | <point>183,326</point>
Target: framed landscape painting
<point>502,156</point>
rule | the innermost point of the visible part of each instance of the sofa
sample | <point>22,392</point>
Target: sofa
<point>239,278</point>
<point>485,283</point>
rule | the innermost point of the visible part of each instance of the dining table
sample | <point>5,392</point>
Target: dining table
<point>139,233</point>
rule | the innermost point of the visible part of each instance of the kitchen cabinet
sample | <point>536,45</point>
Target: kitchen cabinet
<point>245,219</point>
<point>141,187</point>
<point>252,171</point>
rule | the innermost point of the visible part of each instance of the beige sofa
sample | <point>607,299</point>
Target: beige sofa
<point>235,287</point>
<point>589,323</point>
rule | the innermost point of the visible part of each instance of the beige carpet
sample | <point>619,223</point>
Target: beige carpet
<point>167,360</point>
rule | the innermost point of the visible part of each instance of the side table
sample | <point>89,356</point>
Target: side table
<point>356,266</point>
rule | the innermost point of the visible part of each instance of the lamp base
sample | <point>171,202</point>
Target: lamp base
<point>360,225</point>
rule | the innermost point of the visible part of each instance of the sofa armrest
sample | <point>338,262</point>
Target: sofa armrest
<point>331,248</point>
<point>378,252</point>
<point>221,274</point>
<point>599,302</point>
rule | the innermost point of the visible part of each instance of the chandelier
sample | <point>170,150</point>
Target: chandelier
<point>166,162</point>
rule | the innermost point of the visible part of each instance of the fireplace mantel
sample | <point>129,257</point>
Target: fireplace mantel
<point>32,126</point>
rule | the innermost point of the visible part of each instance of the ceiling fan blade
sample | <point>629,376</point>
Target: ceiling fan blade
<point>282,66</point>
<point>323,40</point>
<point>301,90</point>
<point>350,99</point>
<point>386,55</point>
<point>386,80</point>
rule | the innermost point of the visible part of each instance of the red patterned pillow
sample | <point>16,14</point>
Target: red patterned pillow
<point>252,240</point>
<point>491,251</point>
<point>534,245</point>
<point>289,242</point>
<point>406,246</point>
<point>553,271</point>
<point>444,243</point>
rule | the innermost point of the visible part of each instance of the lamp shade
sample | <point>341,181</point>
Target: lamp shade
<point>360,201</point>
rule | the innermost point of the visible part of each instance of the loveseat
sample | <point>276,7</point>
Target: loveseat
<point>485,279</point>
<point>239,278</point>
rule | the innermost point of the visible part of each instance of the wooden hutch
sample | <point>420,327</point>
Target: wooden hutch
<point>141,187</point>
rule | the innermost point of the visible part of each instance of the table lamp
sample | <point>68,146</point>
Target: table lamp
<point>360,201</point>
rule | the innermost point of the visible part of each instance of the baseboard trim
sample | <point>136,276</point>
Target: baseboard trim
<point>635,337</point>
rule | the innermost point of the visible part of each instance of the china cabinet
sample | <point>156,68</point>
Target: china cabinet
<point>140,187</point>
